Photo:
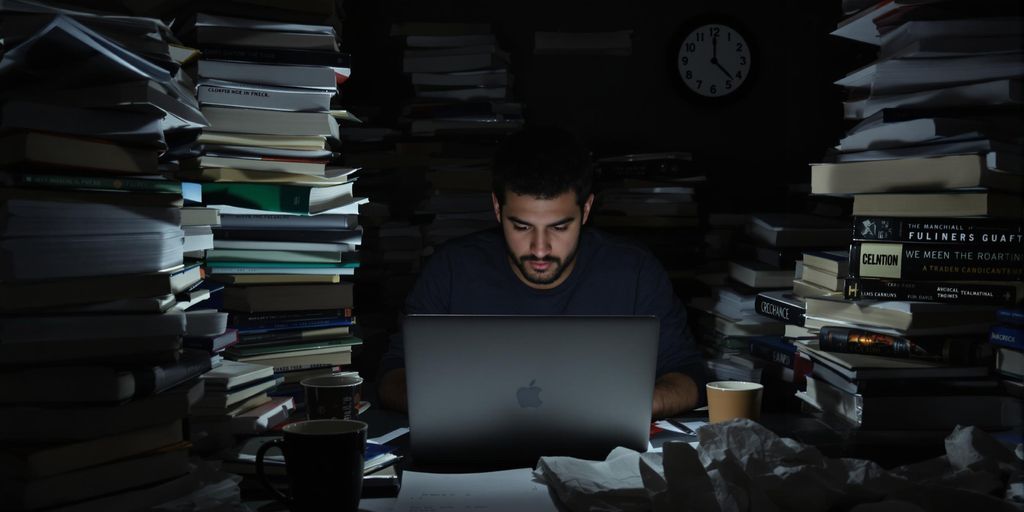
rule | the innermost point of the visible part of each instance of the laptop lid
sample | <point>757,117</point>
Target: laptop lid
<point>505,390</point>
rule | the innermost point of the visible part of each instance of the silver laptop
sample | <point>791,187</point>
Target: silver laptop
<point>505,390</point>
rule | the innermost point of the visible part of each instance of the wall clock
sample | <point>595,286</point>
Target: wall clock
<point>714,59</point>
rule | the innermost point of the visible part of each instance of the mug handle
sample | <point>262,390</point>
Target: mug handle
<point>262,476</point>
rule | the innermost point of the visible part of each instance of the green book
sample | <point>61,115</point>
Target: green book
<point>276,197</point>
<point>73,182</point>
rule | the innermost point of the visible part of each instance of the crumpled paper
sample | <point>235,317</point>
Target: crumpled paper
<point>740,466</point>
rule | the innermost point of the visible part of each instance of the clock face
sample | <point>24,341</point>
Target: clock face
<point>714,60</point>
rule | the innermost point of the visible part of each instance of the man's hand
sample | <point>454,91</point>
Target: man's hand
<point>674,393</point>
<point>392,392</point>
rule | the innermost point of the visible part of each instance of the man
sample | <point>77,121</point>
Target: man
<point>544,261</point>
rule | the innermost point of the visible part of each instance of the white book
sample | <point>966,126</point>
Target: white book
<point>271,122</point>
<point>231,374</point>
<point>310,77</point>
<point>263,417</point>
<point>242,95</point>
<point>994,92</point>
<point>904,75</point>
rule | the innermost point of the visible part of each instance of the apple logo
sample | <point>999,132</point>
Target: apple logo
<point>529,396</point>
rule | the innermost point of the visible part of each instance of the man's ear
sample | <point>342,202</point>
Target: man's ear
<point>497,207</point>
<point>586,207</point>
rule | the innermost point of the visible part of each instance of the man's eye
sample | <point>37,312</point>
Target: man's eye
<point>519,227</point>
<point>560,228</point>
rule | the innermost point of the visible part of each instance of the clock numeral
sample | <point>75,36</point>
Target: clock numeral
<point>739,47</point>
<point>700,36</point>
<point>728,36</point>
<point>691,47</point>
<point>714,90</point>
<point>685,60</point>
<point>728,85</point>
<point>699,82</point>
<point>713,31</point>
<point>743,60</point>
<point>689,74</point>
<point>739,75</point>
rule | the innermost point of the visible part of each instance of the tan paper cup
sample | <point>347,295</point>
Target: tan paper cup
<point>729,399</point>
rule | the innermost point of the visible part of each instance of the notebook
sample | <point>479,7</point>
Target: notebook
<point>501,391</point>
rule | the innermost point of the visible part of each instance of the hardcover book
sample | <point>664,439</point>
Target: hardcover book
<point>928,261</point>
<point>995,233</point>
<point>952,292</point>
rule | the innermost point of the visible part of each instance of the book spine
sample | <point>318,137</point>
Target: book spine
<point>935,262</point>
<point>256,319</point>
<point>949,292</point>
<point>773,308</point>
<point>1010,316</point>
<point>773,349</point>
<point>248,331</point>
<point>1004,234</point>
<point>94,182</point>
<point>262,99</point>
<point>1007,336</point>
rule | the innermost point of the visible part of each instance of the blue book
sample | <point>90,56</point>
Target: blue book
<point>1009,336</point>
<point>1010,316</point>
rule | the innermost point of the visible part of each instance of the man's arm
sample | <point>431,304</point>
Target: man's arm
<point>392,392</point>
<point>674,393</point>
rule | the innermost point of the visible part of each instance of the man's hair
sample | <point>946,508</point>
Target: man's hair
<point>544,162</point>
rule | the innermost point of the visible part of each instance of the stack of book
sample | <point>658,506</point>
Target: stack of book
<point>288,217</point>
<point>460,77</point>
<point>462,105</point>
<point>94,380</point>
<point>237,402</point>
<point>936,248</point>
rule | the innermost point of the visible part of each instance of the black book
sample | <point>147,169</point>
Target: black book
<point>980,231</point>
<point>781,305</point>
<point>952,292</point>
<point>930,261</point>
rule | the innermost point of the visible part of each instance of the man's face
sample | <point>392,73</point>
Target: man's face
<point>542,235</point>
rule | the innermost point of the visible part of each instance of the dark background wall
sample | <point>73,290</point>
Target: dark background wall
<point>751,146</point>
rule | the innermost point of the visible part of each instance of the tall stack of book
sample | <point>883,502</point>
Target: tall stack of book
<point>94,380</point>
<point>462,105</point>
<point>289,226</point>
<point>934,169</point>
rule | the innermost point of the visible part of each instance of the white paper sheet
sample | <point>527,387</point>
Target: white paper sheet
<point>512,490</point>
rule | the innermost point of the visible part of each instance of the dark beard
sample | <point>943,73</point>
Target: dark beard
<point>520,262</point>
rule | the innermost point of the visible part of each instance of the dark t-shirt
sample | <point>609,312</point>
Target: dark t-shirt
<point>612,276</point>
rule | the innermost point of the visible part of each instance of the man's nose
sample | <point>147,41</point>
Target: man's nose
<point>540,244</point>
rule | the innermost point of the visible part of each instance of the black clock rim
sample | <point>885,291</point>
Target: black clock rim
<point>708,18</point>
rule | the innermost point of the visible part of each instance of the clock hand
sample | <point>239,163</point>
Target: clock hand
<point>714,50</point>
<point>727,73</point>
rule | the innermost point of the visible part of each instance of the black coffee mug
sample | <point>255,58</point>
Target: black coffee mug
<point>324,463</point>
<point>333,396</point>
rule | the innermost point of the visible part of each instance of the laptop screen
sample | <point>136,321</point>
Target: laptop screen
<point>505,390</point>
